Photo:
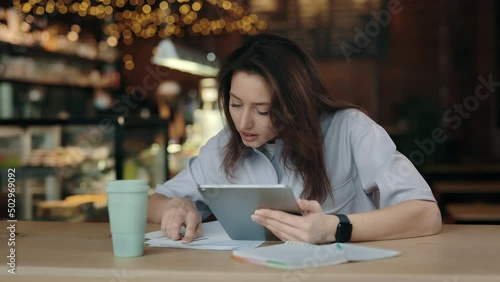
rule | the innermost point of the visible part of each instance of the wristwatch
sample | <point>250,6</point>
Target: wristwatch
<point>344,229</point>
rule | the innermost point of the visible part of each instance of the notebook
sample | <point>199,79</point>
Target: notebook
<point>295,255</point>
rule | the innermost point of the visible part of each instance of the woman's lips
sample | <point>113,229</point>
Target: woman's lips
<point>249,137</point>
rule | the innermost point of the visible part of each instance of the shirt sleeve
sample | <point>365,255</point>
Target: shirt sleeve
<point>201,169</point>
<point>386,174</point>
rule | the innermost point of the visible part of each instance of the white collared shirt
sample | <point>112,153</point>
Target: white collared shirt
<point>366,171</point>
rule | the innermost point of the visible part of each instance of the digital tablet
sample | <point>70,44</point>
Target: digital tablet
<point>234,204</point>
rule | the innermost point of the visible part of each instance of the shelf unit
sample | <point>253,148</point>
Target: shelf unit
<point>37,50</point>
<point>32,77</point>
<point>22,64</point>
<point>58,181</point>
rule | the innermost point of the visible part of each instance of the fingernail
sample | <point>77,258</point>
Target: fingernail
<point>257,212</point>
<point>253,217</point>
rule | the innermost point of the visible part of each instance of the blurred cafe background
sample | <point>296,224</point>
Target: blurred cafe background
<point>92,91</point>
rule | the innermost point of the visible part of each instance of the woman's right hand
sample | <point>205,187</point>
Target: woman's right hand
<point>181,212</point>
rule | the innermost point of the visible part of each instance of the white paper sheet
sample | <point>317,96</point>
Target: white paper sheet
<point>214,238</point>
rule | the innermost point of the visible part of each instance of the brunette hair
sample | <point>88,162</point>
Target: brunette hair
<point>299,96</point>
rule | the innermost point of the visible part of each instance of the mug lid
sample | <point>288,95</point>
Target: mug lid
<point>127,186</point>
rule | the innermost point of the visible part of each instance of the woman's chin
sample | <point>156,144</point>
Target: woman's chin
<point>252,144</point>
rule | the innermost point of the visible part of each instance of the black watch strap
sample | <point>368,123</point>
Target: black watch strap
<point>343,219</point>
<point>344,229</point>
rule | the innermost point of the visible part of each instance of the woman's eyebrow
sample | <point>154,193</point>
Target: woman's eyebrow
<point>257,104</point>
<point>234,96</point>
<point>262,104</point>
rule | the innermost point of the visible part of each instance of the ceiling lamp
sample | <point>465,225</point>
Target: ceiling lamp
<point>173,56</point>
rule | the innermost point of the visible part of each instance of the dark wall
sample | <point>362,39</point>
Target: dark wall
<point>437,51</point>
<point>425,81</point>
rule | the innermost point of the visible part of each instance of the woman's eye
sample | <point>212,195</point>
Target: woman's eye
<point>235,105</point>
<point>262,113</point>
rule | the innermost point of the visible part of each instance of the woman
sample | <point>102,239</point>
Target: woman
<point>284,127</point>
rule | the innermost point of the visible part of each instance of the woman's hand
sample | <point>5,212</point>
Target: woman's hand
<point>181,212</point>
<point>313,227</point>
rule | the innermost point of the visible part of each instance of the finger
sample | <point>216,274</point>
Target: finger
<point>165,221</point>
<point>192,221</point>
<point>283,235</point>
<point>174,227</point>
<point>284,232</point>
<point>279,216</point>
<point>309,206</point>
<point>164,224</point>
<point>199,231</point>
<point>189,235</point>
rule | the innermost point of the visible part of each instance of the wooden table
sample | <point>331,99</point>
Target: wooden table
<point>67,251</point>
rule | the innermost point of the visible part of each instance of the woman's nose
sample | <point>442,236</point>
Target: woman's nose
<point>246,121</point>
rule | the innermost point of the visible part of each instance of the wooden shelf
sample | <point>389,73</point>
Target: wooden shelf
<point>44,83</point>
<point>56,84</point>
<point>37,50</point>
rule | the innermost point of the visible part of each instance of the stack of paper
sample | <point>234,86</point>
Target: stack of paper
<point>214,238</point>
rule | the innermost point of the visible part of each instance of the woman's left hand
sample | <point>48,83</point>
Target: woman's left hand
<point>313,227</point>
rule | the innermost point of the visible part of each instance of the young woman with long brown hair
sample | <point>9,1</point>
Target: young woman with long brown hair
<point>282,126</point>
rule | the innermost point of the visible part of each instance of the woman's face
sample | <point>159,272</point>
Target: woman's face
<point>249,106</point>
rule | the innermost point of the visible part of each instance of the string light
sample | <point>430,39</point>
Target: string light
<point>147,18</point>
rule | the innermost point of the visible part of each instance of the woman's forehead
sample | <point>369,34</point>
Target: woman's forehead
<point>251,87</point>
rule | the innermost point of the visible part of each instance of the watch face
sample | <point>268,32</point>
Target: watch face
<point>344,232</point>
